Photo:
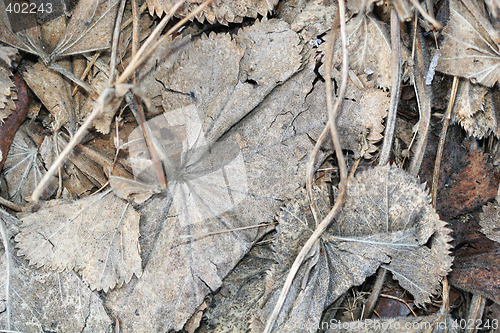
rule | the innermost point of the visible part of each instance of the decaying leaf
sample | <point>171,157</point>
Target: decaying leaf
<point>314,19</point>
<point>97,236</point>
<point>88,30</point>
<point>7,93</point>
<point>6,54</point>
<point>490,221</point>
<point>470,48</point>
<point>386,220</point>
<point>476,268</point>
<point>222,11</point>
<point>42,300</point>
<point>469,100</point>
<point>485,121</point>
<point>23,166</point>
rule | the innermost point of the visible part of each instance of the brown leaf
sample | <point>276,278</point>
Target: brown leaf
<point>6,54</point>
<point>476,267</point>
<point>222,11</point>
<point>472,184</point>
<point>386,220</point>
<point>490,221</point>
<point>97,236</point>
<point>314,19</point>
<point>46,300</point>
<point>470,48</point>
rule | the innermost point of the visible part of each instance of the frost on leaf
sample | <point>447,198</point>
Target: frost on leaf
<point>97,236</point>
<point>222,11</point>
<point>23,168</point>
<point>470,48</point>
<point>42,300</point>
<point>89,29</point>
<point>386,220</point>
<point>490,221</point>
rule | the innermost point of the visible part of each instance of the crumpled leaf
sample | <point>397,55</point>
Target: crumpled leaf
<point>314,19</point>
<point>387,220</point>
<point>469,100</point>
<point>6,54</point>
<point>222,11</point>
<point>369,47</point>
<point>47,301</point>
<point>490,221</point>
<point>88,30</point>
<point>484,121</point>
<point>23,168</point>
<point>470,48</point>
<point>97,236</point>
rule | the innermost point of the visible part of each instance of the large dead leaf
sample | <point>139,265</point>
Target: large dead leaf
<point>23,168</point>
<point>222,11</point>
<point>97,236</point>
<point>88,30</point>
<point>490,221</point>
<point>469,49</point>
<point>386,220</point>
<point>42,300</point>
<point>270,143</point>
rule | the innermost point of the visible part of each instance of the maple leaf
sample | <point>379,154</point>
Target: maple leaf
<point>222,11</point>
<point>45,300</point>
<point>97,236</point>
<point>470,48</point>
<point>386,220</point>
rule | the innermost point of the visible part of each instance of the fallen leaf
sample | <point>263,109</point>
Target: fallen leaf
<point>360,120</point>
<point>89,29</point>
<point>387,220</point>
<point>476,267</point>
<point>490,221</point>
<point>7,93</point>
<point>222,11</point>
<point>485,121</point>
<point>470,185</point>
<point>97,236</point>
<point>7,53</point>
<point>469,100</point>
<point>369,47</point>
<point>470,48</point>
<point>314,19</point>
<point>44,300</point>
<point>23,168</point>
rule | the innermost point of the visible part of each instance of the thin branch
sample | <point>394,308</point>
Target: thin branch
<point>311,165</point>
<point>428,17</point>
<point>423,93</point>
<point>442,140</point>
<point>332,114</point>
<point>9,204</point>
<point>116,38</point>
<point>377,288</point>
<point>385,153</point>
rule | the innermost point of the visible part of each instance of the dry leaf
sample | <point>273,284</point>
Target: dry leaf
<point>23,167</point>
<point>369,47</point>
<point>54,91</point>
<point>7,93</point>
<point>274,144</point>
<point>360,120</point>
<point>470,48</point>
<point>88,30</point>
<point>490,221</point>
<point>485,121</point>
<point>387,220</point>
<point>47,301</point>
<point>314,19</point>
<point>97,236</point>
<point>7,53</point>
<point>222,11</point>
<point>469,100</point>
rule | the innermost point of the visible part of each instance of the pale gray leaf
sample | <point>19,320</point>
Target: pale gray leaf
<point>490,221</point>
